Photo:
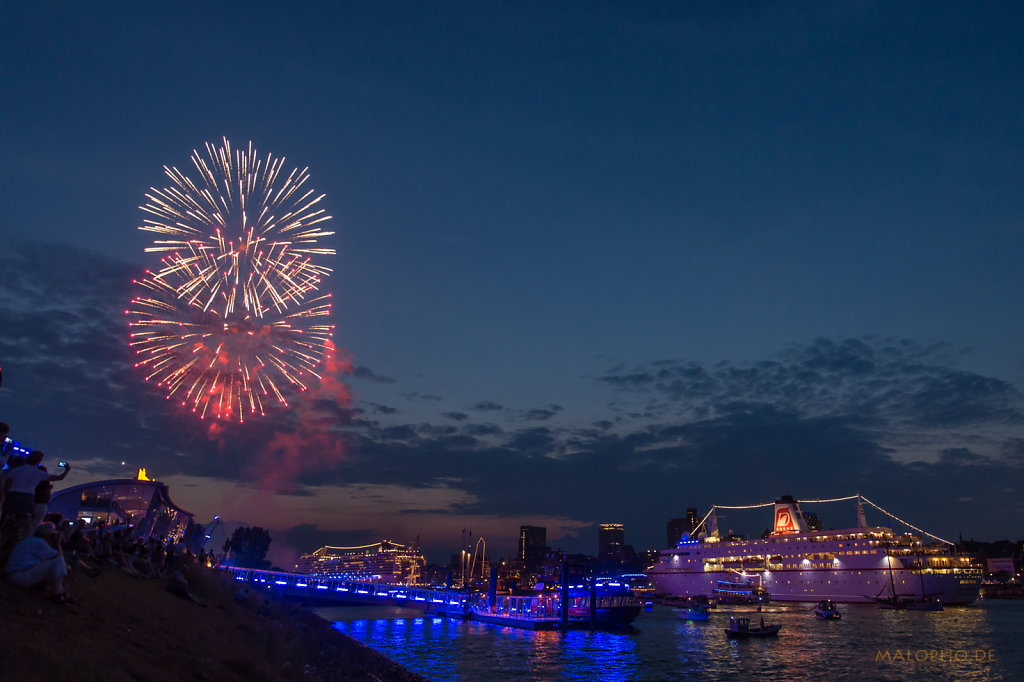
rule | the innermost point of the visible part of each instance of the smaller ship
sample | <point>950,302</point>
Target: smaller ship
<point>891,602</point>
<point>727,592</point>
<point>826,610</point>
<point>740,628</point>
<point>695,612</point>
<point>924,604</point>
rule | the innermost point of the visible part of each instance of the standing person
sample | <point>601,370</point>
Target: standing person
<point>42,495</point>
<point>20,485</point>
<point>5,450</point>
<point>5,443</point>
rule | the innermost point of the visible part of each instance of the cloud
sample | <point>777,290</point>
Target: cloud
<point>416,396</point>
<point>382,409</point>
<point>542,413</point>
<point>890,381</point>
<point>70,386</point>
<point>366,373</point>
<point>894,419</point>
<point>486,406</point>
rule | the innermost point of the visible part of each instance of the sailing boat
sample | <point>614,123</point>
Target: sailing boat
<point>925,603</point>
<point>892,601</point>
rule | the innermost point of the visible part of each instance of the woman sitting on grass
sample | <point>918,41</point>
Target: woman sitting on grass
<point>38,559</point>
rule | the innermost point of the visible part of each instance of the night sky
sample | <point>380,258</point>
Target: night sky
<point>596,262</point>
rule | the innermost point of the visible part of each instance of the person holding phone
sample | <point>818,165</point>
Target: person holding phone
<point>20,492</point>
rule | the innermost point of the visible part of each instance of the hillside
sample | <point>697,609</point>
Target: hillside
<point>128,629</point>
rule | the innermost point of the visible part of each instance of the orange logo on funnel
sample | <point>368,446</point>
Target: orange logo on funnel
<point>784,521</point>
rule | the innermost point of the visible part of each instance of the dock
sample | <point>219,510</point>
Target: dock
<point>544,611</point>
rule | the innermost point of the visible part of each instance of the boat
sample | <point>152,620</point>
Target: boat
<point>695,612</point>
<point>748,592</point>
<point>384,561</point>
<point>826,610</point>
<point>891,602</point>
<point>740,628</point>
<point>924,604</point>
<point>793,562</point>
<point>674,600</point>
<point>615,606</point>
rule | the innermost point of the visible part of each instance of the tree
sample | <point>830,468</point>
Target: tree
<point>248,547</point>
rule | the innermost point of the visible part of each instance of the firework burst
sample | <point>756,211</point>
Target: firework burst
<point>233,316</point>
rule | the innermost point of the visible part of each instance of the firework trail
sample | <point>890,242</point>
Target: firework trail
<point>233,316</point>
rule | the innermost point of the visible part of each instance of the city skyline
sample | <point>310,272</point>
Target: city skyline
<point>594,264</point>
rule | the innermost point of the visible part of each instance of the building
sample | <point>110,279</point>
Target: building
<point>813,522</point>
<point>693,521</point>
<point>674,530</point>
<point>533,545</point>
<point>384,561</point>
<point>610,538</point>
<point>690,525</point>
<point>144,507</point>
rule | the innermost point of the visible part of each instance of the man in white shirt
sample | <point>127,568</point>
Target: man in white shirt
<point>20,487</point>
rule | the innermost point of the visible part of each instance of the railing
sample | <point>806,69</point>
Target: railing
<point>339,589</point>
<point>528,610</point>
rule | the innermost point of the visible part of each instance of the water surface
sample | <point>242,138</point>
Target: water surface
<point>980,642</point>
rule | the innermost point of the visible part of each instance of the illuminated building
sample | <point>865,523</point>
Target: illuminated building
<point>610,538</point>
<point>533,545</point>
<point>690,526</point>
<point>384,562</point>
<point>144,505</point>
<point>813,522</point>
<point>693,524</point>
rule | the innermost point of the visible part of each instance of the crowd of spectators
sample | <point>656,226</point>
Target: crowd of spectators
<point>41,549</point>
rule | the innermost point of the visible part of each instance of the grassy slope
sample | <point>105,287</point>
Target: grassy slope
<point>124,628</point>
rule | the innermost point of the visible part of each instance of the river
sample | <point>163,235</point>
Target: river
<point>979,642</point>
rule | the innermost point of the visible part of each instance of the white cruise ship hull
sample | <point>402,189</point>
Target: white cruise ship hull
<point>814,585</point>
<point>795,563</point>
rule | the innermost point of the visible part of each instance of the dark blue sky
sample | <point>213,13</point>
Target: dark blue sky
<point>595,263</point>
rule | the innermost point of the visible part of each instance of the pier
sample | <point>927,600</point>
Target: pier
<point>610,605</point>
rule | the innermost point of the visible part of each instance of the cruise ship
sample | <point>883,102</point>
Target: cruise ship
<point>794,563</point>
<point>382,562</point>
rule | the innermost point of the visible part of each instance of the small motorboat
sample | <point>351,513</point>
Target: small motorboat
<point>826,610</point>
<point>695,612</point>
<point>741,628</point>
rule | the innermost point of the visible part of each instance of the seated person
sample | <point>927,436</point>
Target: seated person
<point>35,560</point>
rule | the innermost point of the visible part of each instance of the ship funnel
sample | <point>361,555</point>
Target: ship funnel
<point>788,517</point>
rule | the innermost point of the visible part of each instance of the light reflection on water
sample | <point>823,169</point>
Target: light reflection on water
<point>662,647</point>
